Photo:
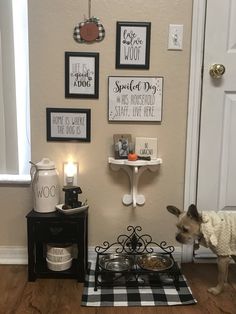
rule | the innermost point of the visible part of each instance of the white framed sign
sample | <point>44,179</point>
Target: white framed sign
<point>135,98</point>
<point>146,147</point>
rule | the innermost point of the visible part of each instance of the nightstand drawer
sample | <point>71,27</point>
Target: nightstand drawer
<point>56,231</point>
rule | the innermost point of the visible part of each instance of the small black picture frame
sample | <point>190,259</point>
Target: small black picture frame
<point>122,145</point>
<point>81,74</point>
<point>133,45</point>
<point>68,124</point>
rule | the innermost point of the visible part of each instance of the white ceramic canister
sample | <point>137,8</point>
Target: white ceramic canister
<point>45,183</point>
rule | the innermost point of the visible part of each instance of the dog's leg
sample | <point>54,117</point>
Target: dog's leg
<point>223,263</point>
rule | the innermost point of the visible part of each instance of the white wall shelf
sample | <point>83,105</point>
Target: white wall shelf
<point>134,169</point>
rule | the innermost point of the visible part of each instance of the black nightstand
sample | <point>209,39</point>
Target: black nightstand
<point>55,227</point>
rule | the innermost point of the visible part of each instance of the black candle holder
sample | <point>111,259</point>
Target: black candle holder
<point>71,196</point>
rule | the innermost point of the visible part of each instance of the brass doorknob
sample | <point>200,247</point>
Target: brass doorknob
<point>216,70</point>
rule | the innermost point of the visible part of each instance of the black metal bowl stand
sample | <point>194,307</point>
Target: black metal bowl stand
<point>135,245</point>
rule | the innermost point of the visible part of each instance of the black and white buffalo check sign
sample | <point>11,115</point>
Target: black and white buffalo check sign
<point>136,296</point>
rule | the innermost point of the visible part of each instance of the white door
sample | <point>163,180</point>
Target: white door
<point>216,188</point>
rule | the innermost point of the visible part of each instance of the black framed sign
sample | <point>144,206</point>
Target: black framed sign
<point>81,74</point>
<point>135,98</point>
<point>133,45</point>
<point>68,124</point>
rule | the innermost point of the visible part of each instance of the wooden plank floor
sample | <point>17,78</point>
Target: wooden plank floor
<point>49,296</point>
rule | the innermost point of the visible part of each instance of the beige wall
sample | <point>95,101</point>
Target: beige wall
<point>51,26</point>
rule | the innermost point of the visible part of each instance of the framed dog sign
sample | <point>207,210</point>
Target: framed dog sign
<point>133,45</point>
<point>135,98</point>
<point>68,124</point>
<point>81,74</point>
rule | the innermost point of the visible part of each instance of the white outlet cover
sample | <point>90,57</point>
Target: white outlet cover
<point>175,41</point>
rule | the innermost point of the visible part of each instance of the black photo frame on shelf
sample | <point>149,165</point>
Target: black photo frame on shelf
<point>133,45</point>
<point>122,145</point>
<point>81,74</point>
<point>68,124</point>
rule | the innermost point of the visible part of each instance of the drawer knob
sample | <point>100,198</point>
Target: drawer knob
<point>55,230</point>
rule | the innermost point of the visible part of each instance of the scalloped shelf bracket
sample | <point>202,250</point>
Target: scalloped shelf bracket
<point>134,169</point>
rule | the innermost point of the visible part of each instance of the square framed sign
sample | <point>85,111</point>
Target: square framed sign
<point>135,98</point>
<point>133,45</point>
<point>68,124</point>
<point>81,75</point>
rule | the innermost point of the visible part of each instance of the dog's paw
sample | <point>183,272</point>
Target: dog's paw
<point>215,290</point>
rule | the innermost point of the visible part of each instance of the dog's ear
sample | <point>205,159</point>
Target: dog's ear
<point>174,210</point>
<point>193,213</point>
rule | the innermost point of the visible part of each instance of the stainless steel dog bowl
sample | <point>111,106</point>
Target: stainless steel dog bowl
<point>155,262</point>
<point>116,262</point>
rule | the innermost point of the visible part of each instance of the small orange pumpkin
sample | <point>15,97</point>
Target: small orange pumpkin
<point>132,156</point>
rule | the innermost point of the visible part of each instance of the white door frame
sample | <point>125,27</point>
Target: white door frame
<point>194,106</point>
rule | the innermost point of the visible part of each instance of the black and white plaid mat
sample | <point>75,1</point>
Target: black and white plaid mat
<point>136,296</point>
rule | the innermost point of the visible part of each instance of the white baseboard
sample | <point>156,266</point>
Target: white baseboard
<point>204,255</point>
<point>17,255</point>
<point>13,255</point>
